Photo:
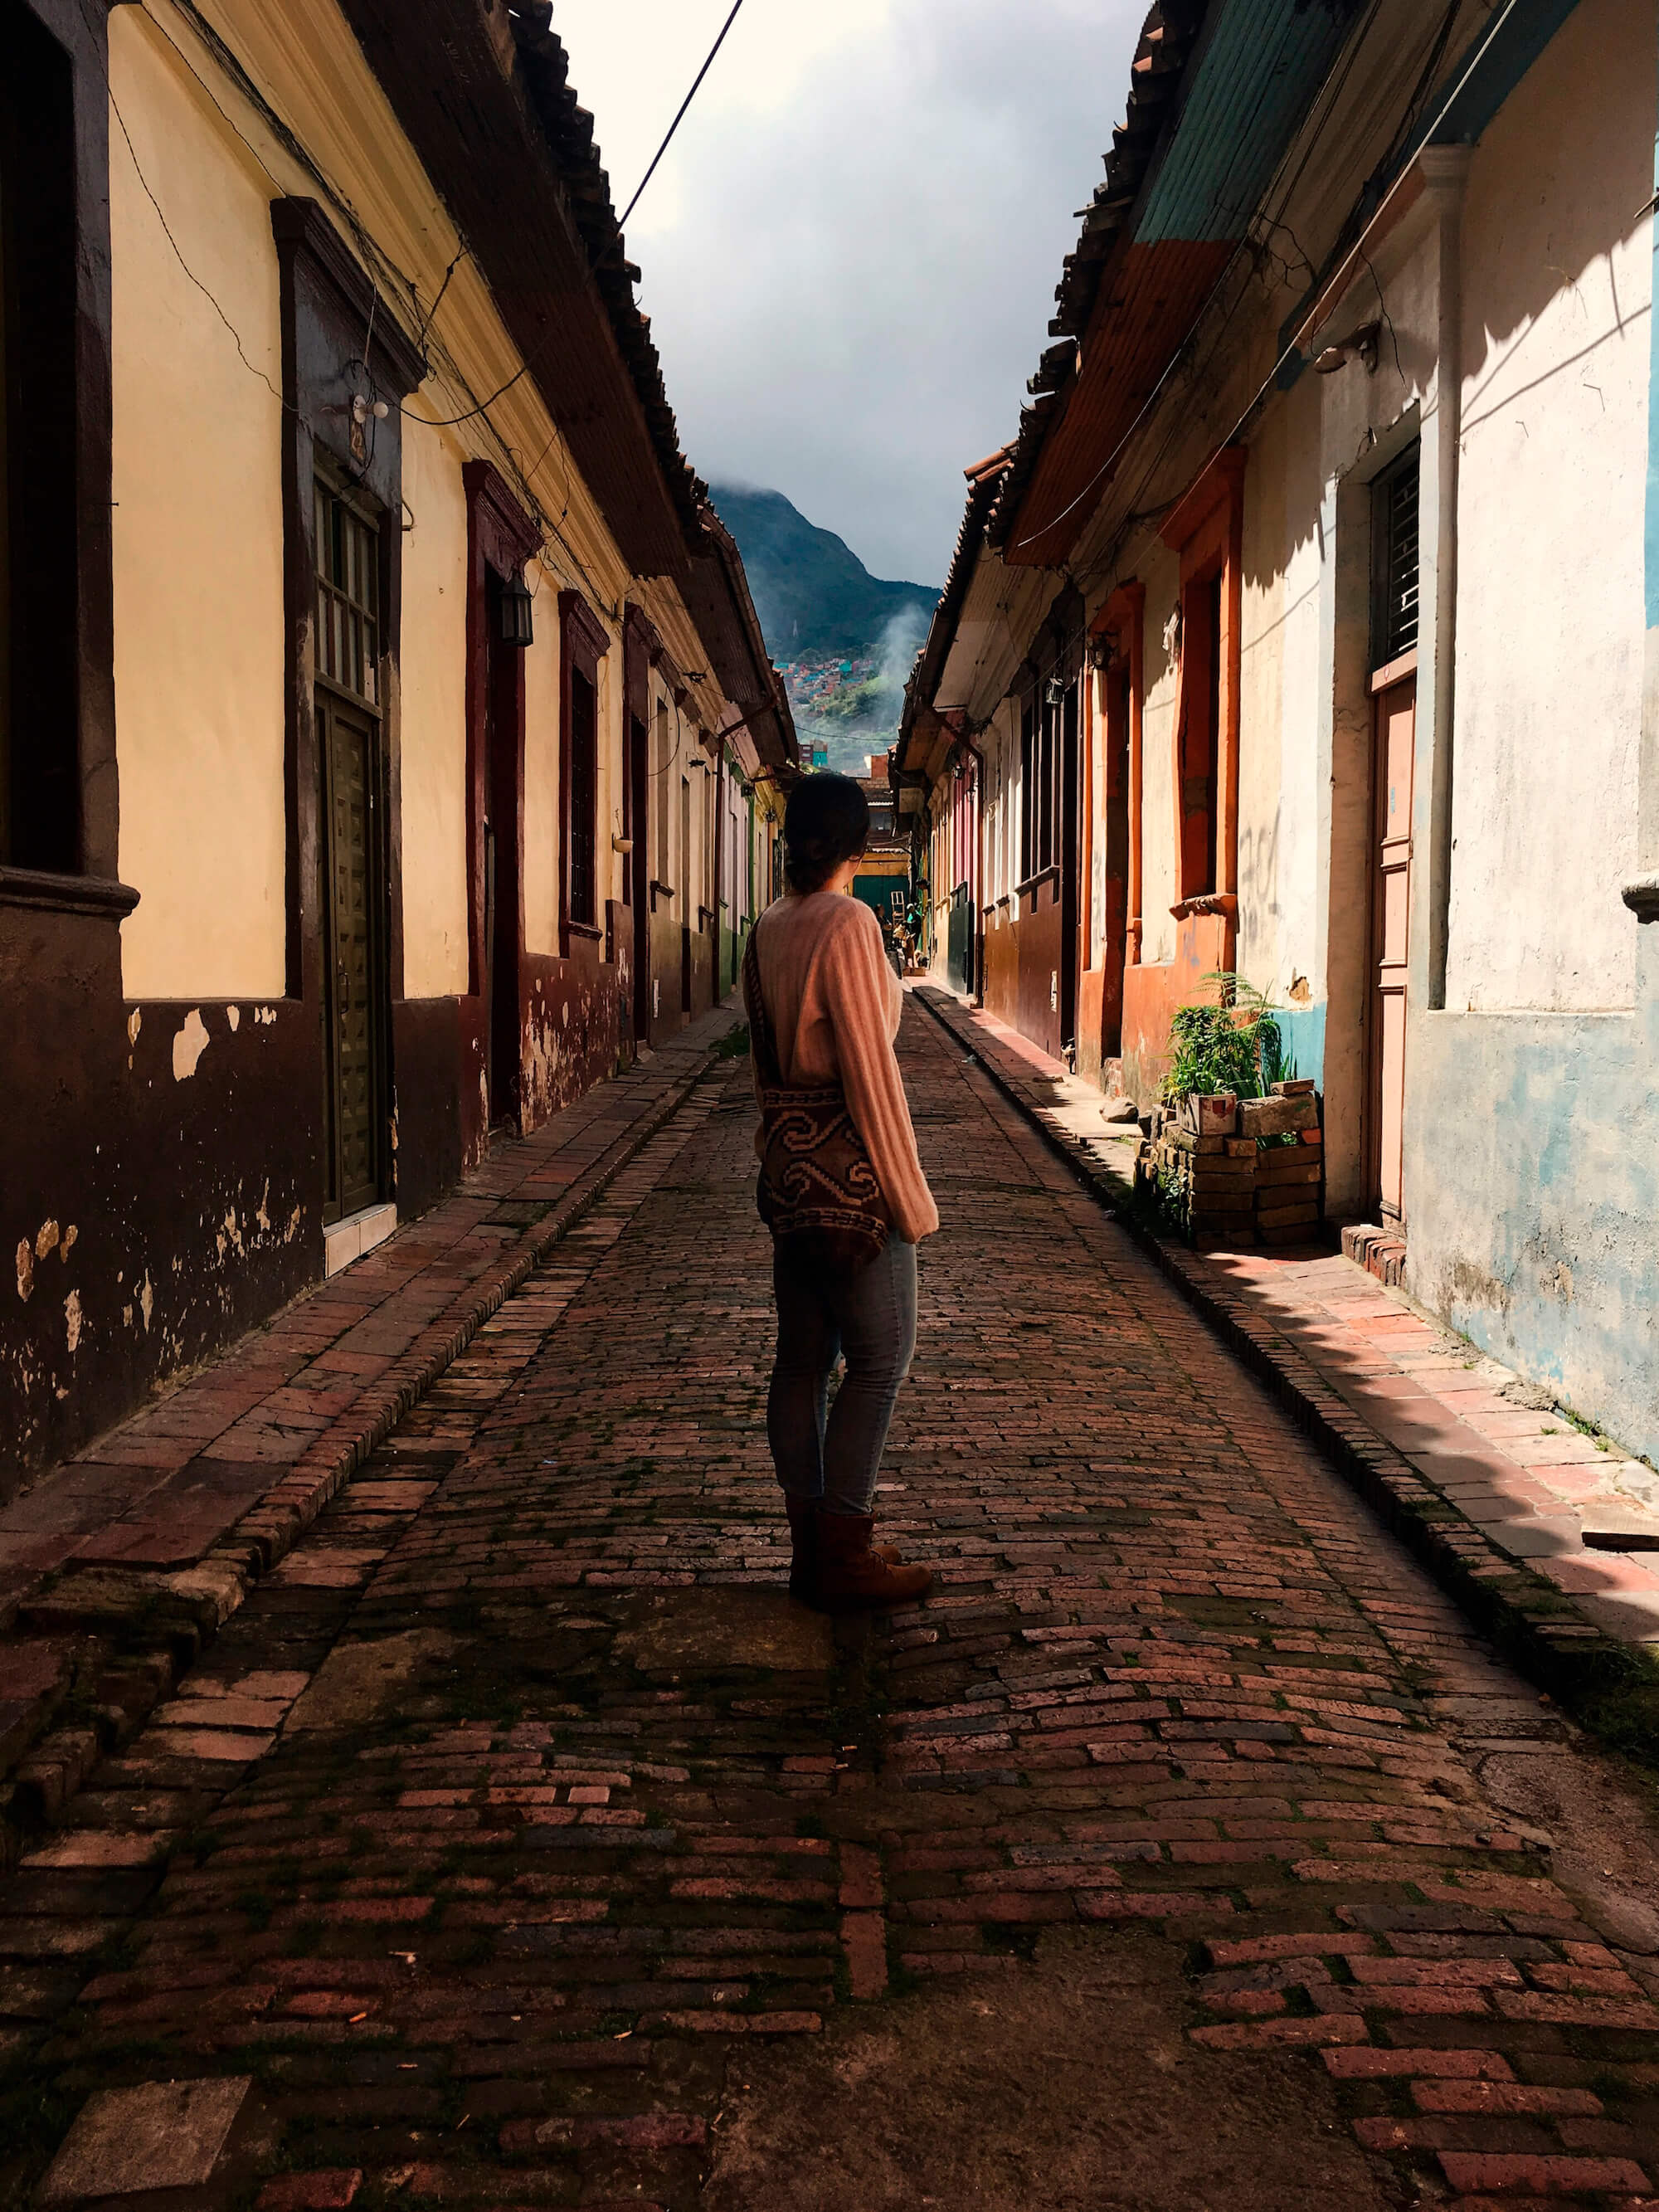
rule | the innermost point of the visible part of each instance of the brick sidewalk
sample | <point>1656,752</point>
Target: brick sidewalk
<point>1500,1453</point>
<point>518,1841</point>
<point>169,1516</point>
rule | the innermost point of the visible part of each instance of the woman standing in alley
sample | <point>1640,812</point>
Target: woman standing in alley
<point>842,1190</point>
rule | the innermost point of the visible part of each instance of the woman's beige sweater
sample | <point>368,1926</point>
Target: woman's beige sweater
<point>835,1005</point>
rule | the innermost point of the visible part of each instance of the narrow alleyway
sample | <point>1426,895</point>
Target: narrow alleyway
<point>518,1843</point>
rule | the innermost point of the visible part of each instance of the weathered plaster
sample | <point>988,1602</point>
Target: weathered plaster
<point>1557,294</point>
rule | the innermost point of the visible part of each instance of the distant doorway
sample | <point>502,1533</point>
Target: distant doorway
<point>501,840</point>
<point>637,871</point>
<point>1394,741</point>
<point>1071,862</point>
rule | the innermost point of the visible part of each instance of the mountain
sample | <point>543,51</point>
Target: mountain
<point>814,595</point>
<point>844,640</point>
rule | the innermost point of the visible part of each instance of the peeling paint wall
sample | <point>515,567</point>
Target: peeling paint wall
<point>166,1201</point>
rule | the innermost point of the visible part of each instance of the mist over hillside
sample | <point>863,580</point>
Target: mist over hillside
<point>844,639</point>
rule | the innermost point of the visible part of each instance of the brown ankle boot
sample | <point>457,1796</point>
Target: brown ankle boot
<point>852,1574</point>
<point>804,1555</point>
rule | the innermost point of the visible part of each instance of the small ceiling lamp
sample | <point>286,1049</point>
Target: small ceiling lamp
<point>516,604</point>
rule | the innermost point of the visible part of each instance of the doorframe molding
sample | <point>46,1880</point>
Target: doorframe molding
<point>340,342</point>
<point>583,643</point>
<point>501,537</point>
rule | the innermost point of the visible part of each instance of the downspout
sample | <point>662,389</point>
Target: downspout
<point>1444,170</point>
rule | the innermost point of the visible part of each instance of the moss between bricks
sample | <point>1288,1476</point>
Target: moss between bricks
<point>1611,1688</point>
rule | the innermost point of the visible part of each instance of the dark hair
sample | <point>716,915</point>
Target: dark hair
<point>827,821</point>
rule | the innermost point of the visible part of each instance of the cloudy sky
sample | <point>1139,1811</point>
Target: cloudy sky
<point>851,247</point>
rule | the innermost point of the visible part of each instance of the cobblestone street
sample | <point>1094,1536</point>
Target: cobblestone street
<point>518,1843</point>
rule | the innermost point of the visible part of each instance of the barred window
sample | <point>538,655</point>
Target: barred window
<point>347,596</point>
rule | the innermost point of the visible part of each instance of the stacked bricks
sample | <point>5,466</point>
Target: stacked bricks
<point>1380,1252</point>
<point>1228,1173</point>
<point>1289,1178</point>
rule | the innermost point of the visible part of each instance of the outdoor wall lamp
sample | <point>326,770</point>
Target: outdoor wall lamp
<point>515,611</point>
<point>1362,344</point>
<point>1056,689</point>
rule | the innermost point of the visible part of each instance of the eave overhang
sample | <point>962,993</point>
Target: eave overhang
<point>482,95</point>
<point>983,479</point>
<point>715,589</point>
<point>1218,90</point>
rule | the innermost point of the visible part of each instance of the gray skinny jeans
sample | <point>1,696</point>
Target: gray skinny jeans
<point>834,1453</point>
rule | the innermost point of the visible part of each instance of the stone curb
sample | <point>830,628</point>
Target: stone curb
<point>144,1629</point>
<point>1535,1625</point>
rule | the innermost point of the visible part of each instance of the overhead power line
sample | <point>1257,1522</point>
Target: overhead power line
<point>684,104</point>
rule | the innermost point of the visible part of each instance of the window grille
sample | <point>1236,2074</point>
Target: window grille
<point>1394,607</point>
<point>348,598</point>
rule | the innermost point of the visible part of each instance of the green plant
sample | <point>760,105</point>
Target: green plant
<point>1232,1042</point>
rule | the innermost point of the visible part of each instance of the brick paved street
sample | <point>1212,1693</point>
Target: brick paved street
<point>518,1843</point>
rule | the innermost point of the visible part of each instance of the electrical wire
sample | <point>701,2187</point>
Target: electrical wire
<point>684,104</point>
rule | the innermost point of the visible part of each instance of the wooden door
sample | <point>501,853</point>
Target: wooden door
<point>1071,856</point>
<point>1394,740</point>
<point>354,1014</point>
<point>503,839</point>
<point>636,826</point>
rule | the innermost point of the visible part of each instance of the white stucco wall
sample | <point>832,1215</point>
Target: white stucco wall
<point>1161,574</point>
<point>1269,859</point>
<point>1550,614</point>
<point>198,529</point>
<point>432,665</point>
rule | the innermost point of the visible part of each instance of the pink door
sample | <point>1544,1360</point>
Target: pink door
<point>1395,730</point>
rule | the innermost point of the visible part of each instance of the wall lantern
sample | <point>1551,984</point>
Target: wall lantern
<point>516,604</point>
<point>1057,689</point>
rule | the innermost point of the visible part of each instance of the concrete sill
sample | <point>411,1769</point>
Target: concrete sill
<point>348,1240</point>
<point>1641,896</point>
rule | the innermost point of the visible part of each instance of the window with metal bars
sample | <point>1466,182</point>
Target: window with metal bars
<point>1394,558</point>
<point>347,596</point>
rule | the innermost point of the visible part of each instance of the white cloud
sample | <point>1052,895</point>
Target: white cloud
<point>850,250</point>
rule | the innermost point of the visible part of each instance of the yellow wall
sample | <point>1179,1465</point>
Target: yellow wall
<point>433,668</point>
<point>199,542</point>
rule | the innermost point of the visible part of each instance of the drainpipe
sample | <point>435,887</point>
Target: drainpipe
<point>1445,169</point>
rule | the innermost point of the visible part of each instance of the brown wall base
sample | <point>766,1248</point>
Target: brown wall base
<point>1152,993</point>
<point>1021,959</point>
<point>160,1185</point>
<point>162,1182</point>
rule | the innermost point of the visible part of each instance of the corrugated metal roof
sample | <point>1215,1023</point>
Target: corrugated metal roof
<point>1249,73</point>
<point>1249,89</point>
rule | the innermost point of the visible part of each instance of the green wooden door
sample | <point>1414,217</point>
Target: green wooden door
<point>354,1028</point>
